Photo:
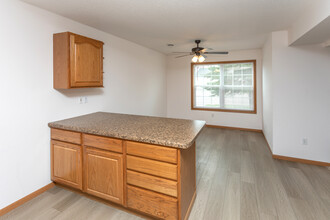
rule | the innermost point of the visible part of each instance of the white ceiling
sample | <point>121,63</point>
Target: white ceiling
<point>318,34</point>
<point>220,24</point>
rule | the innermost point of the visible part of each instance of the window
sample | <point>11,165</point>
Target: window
<point>224,86</point>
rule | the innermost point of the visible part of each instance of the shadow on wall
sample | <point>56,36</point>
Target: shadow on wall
<point>81,92</point>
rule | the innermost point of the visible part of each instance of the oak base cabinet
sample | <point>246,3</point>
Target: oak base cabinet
<point>103,174</point>
<point>154,180</point>
<point>66,164</point>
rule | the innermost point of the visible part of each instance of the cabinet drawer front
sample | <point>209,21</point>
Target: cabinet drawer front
<point>157,184</point>
<point>66,164</point>
<point>103,174</point>
<point>152,203</point>
<point>67,136</point>
<point>103,143</point>
<point>152,151</point>
<point>152,167</point>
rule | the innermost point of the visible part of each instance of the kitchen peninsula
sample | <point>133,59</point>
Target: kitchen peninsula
<point>140,162</point>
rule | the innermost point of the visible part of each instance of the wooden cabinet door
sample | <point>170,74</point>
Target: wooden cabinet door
<point>86,62</point>
<point>66,164</point>
<point>103,174</point>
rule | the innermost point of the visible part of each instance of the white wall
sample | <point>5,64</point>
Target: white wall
<point>301,103</point>
<point>134,82</point>
<point>179,92</point>
<point>267,92</point>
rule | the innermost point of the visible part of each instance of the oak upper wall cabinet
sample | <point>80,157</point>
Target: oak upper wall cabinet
<point>78,61</point>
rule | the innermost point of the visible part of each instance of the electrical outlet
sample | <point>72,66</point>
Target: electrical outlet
<point>81,100</point>
<point>304,141</point>
<point>212,115</point>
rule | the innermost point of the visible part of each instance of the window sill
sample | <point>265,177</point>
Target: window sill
<point>226,110</point>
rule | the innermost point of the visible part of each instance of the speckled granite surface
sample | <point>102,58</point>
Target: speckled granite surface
<point>177,133</point>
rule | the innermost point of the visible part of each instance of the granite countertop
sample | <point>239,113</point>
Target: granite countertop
<point>177,133</point>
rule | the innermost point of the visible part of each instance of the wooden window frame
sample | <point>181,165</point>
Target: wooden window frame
<point>254,111</point>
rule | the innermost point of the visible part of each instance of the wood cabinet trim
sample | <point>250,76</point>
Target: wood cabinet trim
<point>72,67</point>
<point>86,38</point>
<point>179,187</point>
<point>125,175</point>
<point>187,180</point>
<point>61,61</point>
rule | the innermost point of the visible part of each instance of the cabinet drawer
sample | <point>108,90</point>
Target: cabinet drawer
<point>67,136</point>
<point>103,143</point>
<point>157,184</point>
<point>152,151</point>
<point>152,203</point>
<point>152,167</point>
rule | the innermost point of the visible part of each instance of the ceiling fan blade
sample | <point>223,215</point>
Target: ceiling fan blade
<point>216,52</point>
<point>183,55</point>
<point>190,53</point>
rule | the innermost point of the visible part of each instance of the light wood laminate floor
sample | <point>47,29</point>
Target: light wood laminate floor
<point>236,179</point>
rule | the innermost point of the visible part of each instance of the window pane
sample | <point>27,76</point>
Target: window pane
<point>206,75</point>
<point>207,97</point>
<point>247,74</point>
<point>247,80</point>
<point>238,98</point>
<point>228,74</point>
<point>202,70</point>
<point>238,79</point>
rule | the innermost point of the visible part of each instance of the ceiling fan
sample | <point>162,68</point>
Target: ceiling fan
<point>198,52</point>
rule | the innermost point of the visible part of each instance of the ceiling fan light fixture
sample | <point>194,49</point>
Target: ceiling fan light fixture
<point>201,59</point>
<point>199,52</point>
<point>195,59</point>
